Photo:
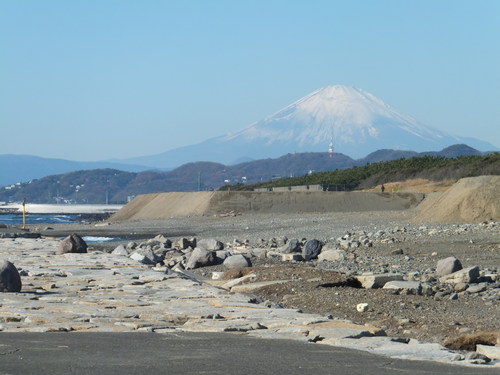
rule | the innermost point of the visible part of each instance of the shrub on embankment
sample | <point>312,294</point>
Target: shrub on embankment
<point>428,167</point>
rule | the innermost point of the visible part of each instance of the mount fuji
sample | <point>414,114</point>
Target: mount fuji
<point>355,121</point>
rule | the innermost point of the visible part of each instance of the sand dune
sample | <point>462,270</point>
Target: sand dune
<point>165,205</point>
<point>472,199</point>
<point>469,200</point>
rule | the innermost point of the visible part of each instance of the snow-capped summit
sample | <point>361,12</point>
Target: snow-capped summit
<point>355,121</point>
<point>353,117</point>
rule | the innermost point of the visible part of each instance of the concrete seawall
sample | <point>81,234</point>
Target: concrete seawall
<point>165,205</point>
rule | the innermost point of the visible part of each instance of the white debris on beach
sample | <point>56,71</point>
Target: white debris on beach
<point>62,208</point>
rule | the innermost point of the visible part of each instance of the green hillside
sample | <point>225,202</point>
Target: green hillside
<point>430,167</point>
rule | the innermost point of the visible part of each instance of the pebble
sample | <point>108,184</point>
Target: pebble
<point>362,307</point>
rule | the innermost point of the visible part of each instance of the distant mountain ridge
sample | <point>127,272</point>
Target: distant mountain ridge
<point>23,168</point>
<point>114,186</point>
<point>356,121</point>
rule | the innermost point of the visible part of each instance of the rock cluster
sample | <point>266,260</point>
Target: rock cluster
<point>143,286</point>
<point>99,292</point>
<point>182,253</point>
<point>344,254</point>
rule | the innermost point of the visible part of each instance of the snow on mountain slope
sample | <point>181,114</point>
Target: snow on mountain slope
<point>346,114</point>
<point>358,123</point>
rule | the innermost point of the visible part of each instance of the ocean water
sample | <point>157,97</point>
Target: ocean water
<point>17,219</point>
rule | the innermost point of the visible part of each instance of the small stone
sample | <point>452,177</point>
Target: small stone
<point>460,287</point>
<point>333,255</point>
<point>457,357</point>
<point>182,243</point>
<point>492,352</point>
<point>48,287</point>
<point>292,246</point>
<point>217,275</point>
<point>145,256</point>
<point>291,257</point>
<point>477,288</point>
<point>362,307</point>
<point>222,255</point>
<point>120,250</point>
<point>409,287</point>
<point>131,245</point>
<point>476,358</point>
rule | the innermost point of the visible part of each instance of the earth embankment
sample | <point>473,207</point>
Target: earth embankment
<point>165,205</point>
<point>472,199</point>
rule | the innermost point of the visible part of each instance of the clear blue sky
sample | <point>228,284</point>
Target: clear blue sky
<point>101,79</point>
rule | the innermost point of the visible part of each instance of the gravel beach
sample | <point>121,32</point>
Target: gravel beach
<point>411,249</point>
<point>427,308</point>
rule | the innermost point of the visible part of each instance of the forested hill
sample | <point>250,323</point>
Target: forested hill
<point>115,186</point>
<point>434,168</point>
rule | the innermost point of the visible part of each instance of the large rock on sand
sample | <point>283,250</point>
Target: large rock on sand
<point>237,261</point>
<point>311,249</point>
<point>146,256</point>
<point>72,244</point>
<point>210,244</point>
<point>466,275</point>
<point>292,246</point>
<point>448,265</point>
<point>10,281</point>
<point>201,258</point>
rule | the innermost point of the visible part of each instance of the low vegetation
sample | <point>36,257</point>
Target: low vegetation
<point>114,186</point>
<point>434,168</point>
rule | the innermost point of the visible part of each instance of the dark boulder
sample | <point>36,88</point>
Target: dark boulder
<point>72,244</point>
<point>10,281</point>
<point>201,258</point>
<point>292,246</point>
<point>311,249</point>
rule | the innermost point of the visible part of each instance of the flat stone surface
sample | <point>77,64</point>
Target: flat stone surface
<point>466,275</point>
<point>377,281</point>
<point>492,352</point>
<point>101,292</point>
<point>411,286</point>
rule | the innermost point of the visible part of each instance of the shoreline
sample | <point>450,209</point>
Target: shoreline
<point>60,209</point>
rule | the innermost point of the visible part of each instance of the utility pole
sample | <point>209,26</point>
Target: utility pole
<point>107,191</point>
<point>24,214</point>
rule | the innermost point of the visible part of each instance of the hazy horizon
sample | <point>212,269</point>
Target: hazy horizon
<point>93,80</point>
